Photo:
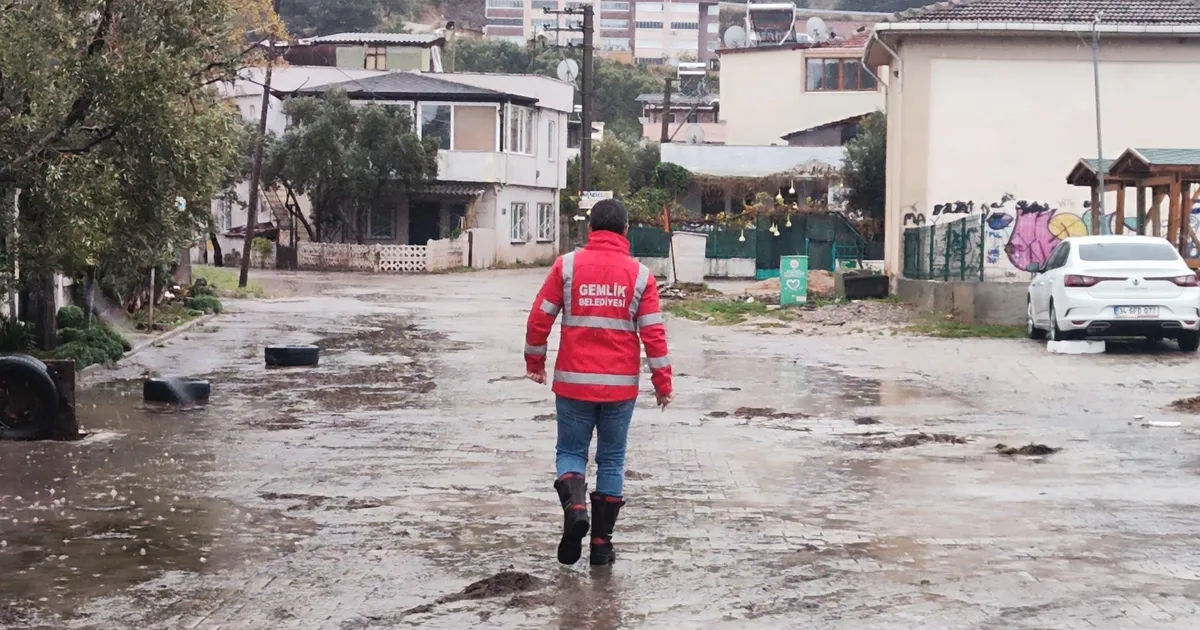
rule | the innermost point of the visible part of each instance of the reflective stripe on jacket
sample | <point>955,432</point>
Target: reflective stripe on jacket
<point>607,300</point>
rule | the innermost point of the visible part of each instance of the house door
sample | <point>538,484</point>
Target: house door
<point>424,222</point>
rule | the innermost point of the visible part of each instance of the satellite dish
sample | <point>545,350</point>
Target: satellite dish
<point>568,70</point>
<point>694,135</point>
<point>735,37</point>
<point>816,29</point>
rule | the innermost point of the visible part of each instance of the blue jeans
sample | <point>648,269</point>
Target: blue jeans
<point>576,420</point>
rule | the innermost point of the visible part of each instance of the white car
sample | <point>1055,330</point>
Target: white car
<point>1114,286</point>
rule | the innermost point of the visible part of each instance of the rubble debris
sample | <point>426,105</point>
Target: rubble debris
<point>1184,405</point>
<point>750,413</point>
<point>1028,449</point>
<point>913,439</point>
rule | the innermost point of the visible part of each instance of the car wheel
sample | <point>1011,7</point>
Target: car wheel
<point>28,399</point>
<point>1055,333</point>
<point>1031,329</point>
<point>1189,341</point>
<point>175,390</point>
<point>292,356</point>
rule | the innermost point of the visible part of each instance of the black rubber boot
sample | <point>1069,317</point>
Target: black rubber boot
<point>604,514</point>
<point>572,493</point>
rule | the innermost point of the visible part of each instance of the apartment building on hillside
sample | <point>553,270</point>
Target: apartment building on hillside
<point>641,32</point>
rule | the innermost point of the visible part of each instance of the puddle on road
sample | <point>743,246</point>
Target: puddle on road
<point>86,519</point>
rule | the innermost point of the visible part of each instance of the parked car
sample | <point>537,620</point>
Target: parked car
<point>1114,286</point>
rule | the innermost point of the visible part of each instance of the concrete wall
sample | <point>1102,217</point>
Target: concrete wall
<point>763,96</point>
<point>531,250</point>
<point>992,125</point>
<point>971,302</point>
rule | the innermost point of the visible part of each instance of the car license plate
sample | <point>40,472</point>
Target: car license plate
<point>1135,312</point>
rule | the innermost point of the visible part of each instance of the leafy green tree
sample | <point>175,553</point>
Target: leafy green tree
<point>328,17</point>
<point>106,119</point>
<point>864,171</point>
<point>348,160</point>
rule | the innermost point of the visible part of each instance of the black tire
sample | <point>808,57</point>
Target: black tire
<point>175,390</point>
<point>1031,329</point>
<point>292,356</point>
<point>36,398</point>
<point>1189,341</point>
<point>1056,334</point>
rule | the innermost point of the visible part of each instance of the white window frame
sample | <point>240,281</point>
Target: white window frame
<point>414,110</point>
<point>546,222</point>
<point>551,140</point>
<point>518,222</point>
<point>520,116</point>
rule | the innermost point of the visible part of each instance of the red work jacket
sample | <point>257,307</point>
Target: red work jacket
<point>607,299</point>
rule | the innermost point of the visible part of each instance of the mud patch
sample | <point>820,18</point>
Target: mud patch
<point>545,417</point>
<point>1028,449</point>
<point>866,420</point>
<point>914,439</point>
<point>503,379</point>
<point>506,582</point>
<point>751,413</point>
<point>636,476</point>
<point>1186,405</point>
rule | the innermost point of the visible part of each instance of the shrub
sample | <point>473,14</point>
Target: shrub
<point>87,346</point>
<point>81,353</point>
<point>15,336</point>
<point>202,287</point>
<point>71,317</point>
<point>206,303</point>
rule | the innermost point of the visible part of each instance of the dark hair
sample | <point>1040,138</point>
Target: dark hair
<point>609,214</point>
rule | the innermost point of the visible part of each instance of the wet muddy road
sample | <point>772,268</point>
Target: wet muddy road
<point>842,482</point>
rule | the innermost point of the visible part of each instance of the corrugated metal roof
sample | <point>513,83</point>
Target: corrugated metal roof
<point>750,162</point>
<point>374,38</point>
<point>413,85</point>
<point>1139,12</point>
<point>1170,157</point>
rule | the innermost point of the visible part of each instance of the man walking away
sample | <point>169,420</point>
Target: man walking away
<point>607,300</point>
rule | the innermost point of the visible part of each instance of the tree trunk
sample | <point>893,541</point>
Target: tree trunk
<point>47,324</point>
<point>218,259</point>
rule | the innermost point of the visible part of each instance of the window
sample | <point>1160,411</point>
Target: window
<point>838,75</point>
<point>714,9</point>
<point>551,139</point>
<point>1113,252</point>
<point>649,61</point>
<point>520,130</point>
<point>474,127</point>
<point>519,223</point>
<point>506,22</point>
<point>504,4</point>
<point>643,43</point>
<point>685,7</point>
<point>376,58</point>
<point>685,26</point>
<point>435,123</point>
<point>671,118</point>
<point>614,6</point>
<point>616,25</point>
<point>652,25</point>
<point>225,216</point>
<point>253,112</point>
<point>538,5</point>
<point>380,224</point>
<point>652,7</point>
<point>544,25</point>
<point>712,27</point>
<point>545,222</point>
<point>614,43</point>
<point>712,44</point>
<point>693,117</point>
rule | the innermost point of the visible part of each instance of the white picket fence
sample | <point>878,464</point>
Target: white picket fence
<point>436,256</point>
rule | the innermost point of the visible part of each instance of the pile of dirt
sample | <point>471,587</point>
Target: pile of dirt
<point>1187,405</point>
<point>820,284</point>
<point>506,582</point>
<point>1028,449</point>
<point>914,439</point>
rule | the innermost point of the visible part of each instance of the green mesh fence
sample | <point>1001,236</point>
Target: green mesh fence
<point>949,251</point>
<point>649,242</point>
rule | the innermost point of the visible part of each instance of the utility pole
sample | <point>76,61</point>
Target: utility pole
<point>585,75</point>
<point>256,167</point>
<point>666,115</point>
<point>1102,168</point>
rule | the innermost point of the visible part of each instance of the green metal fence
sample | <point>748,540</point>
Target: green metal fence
<point>949,251</point>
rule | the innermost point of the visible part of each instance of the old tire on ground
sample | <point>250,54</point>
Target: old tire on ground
<point>28,399</point>
<point>292,356</point>
<point>175,390</point>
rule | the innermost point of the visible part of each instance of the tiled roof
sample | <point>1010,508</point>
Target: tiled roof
<point>1139,12</point>
<point>1170,157</point>
<point>857,39</point>
<point>373,38</point>
<point>834,123</point>
<point>412,84</point>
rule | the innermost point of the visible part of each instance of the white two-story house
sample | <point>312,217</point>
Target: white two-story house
<point>501,167</point>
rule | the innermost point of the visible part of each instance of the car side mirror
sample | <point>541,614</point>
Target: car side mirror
<point>1036,268</point>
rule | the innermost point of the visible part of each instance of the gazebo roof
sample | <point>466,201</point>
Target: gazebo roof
<point>1135,162</point>
<point>1085,172</point>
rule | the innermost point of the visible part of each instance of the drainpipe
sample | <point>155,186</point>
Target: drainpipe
<point>899,165</point>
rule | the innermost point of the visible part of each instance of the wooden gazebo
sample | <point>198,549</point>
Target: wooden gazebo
<point>1169,174</point>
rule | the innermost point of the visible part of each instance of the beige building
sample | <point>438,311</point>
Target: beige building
<point>770,91</point>
<point>990,103</point>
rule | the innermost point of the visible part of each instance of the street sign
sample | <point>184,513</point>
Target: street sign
<point>588,198</point>
<point>793,280</point>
